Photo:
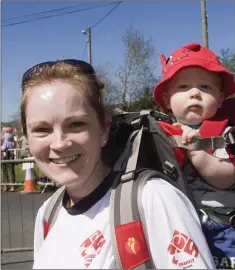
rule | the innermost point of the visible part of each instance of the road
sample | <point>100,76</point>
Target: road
<point>17,226</point>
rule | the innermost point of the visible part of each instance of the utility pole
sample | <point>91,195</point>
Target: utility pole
<point>89,45</point>
<point>204,23</point>
<point>87,32</point>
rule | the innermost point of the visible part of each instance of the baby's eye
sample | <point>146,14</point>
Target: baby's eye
<point>183,86</point>
<point>205,86</point>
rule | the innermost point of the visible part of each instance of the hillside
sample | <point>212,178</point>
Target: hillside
<point>14,123</point>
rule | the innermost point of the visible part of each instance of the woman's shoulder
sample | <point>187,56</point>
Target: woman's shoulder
<point>160,185</point>
<point>159,191</point>
<point>43,207</point>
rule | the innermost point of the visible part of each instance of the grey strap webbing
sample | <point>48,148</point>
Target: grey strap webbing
<point>213,143</point>
<point>137,196</point>
<point>121,211</point>
<point>54,206</point>
<point>121,162</point>
<point>166,154</point>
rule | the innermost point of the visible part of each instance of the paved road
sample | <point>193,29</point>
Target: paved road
<point>17,226</point>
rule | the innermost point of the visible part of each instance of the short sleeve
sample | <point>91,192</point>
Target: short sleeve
<point>39,229</point>
<point>175,236</point>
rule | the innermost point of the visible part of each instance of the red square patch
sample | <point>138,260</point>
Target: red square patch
<point>132,244</point>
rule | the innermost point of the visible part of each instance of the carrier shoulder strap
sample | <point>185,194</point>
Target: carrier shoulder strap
<point>52,209</point>
<point>127,234</point>
<point>127,220</point>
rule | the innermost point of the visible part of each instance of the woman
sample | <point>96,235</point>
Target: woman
<point>64,119</point>
<point>8,143</point>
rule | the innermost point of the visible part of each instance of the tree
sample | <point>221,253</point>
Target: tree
<point>137,73</point>
<point>112,92</point>
<point>227,59</point>
<point>15,121</point>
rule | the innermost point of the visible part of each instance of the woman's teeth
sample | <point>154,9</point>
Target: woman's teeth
<point>64,160</point>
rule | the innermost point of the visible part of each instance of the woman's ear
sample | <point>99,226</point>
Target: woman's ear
<point>166,100</point>
<point>105,134</point>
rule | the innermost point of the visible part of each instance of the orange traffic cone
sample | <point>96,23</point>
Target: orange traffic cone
<point>30,182</point>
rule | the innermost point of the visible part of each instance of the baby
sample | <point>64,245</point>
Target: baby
<point>193,88</point>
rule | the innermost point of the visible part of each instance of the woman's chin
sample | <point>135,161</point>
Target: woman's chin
<point>65,179</point>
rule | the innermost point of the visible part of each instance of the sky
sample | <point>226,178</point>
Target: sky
<point>170,24</point>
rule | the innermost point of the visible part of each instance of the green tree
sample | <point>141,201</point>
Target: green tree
<point>137,72</point>
<point>112,92</point>
<point>227,59</point>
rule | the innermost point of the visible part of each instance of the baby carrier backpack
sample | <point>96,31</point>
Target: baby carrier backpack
<point>138,149</point>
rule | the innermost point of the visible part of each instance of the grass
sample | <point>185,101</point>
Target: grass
<point>20,176</point>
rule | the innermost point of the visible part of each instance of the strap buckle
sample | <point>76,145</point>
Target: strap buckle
<point>232,220</point>
<point>126,177</point>
<point>229,137</point>
<point>170,170</point>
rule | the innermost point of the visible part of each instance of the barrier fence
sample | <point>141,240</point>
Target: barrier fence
<point>19,211</point>
<point>16,152</point>
<point>13,173</point>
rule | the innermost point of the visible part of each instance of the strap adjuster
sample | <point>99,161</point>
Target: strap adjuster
<point>126,177</point>
<point>170,170</point>
<point>232,220</point>
<point>229,137</point>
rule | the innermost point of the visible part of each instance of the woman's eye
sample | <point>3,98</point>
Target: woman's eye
<point>76,124</point>
<point>41,130</point>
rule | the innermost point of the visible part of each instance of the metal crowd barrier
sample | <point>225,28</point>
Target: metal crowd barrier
<point>13,174</point>
<point>16,152</point>
<point>18,214</point>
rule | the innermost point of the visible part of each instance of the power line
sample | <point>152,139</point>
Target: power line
<point>51,16</point>
<point>107,14</point>
<point>39,13</point>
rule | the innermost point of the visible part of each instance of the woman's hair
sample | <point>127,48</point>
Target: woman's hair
<point>71,71</point>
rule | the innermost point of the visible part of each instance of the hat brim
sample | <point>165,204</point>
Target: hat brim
<point>228,84</point>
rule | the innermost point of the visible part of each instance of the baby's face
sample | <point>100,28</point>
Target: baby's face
<point>193,95</point>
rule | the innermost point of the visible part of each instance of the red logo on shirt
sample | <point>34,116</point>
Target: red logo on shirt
<point>132,245</point>
<point>182,243</point>
<point>92,246</point>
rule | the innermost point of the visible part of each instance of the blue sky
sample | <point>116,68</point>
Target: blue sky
<point>169,23</point>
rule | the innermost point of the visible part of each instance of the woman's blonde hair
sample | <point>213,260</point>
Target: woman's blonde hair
<point>71,71</point>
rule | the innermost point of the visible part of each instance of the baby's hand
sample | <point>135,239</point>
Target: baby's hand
<point>188,133</point>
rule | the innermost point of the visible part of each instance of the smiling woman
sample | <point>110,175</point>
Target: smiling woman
<point>66,124</point>
<point>64,119</point>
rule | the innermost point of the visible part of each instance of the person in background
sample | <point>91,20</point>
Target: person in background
<point>24,153</point>
<point>8,143</point>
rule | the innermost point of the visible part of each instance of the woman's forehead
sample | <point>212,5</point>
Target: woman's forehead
<point>56,98</point>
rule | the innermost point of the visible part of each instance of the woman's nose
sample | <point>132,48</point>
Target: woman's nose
<point>60,142</point>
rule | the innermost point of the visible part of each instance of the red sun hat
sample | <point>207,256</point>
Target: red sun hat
<point>192,54</point>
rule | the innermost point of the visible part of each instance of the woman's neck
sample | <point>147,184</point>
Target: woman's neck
<point>92,181</point>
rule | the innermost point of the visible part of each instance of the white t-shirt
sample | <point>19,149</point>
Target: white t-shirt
<point>171,223</point>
